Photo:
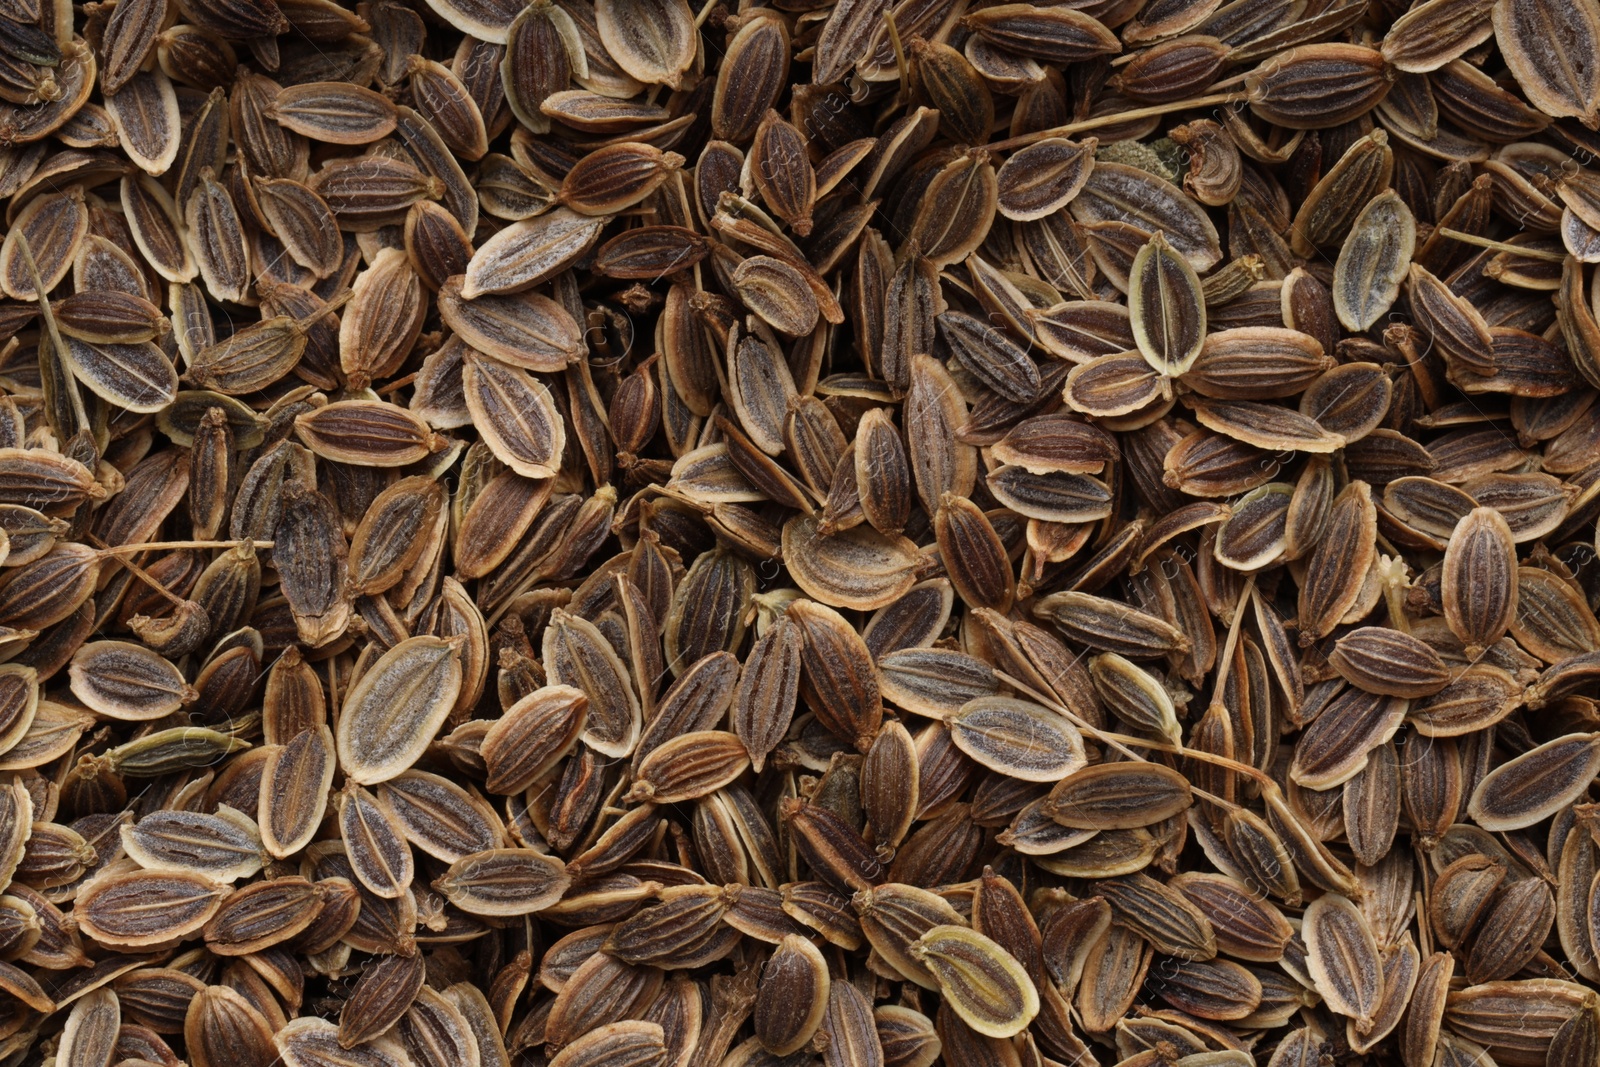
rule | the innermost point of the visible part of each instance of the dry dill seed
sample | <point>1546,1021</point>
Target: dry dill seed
<point>1000,534</point>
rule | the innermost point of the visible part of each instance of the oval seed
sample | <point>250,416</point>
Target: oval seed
<point>397,707</point>
<point>982,982</point>
<point>1342,958</point>
<point>1018,739</point>
<point>793,996</point>
<point>126,681</point>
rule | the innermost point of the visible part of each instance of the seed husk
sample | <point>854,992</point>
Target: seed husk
<point>690,766</point>
<point>499,882</point>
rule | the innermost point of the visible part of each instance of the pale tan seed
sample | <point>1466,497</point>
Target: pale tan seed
<point>309,1041</point>
<point>262,915</point>
<point>935,682</point>
<point>1560,80</point>
<point>1110,626</point>
<point>981,982</point>
<point>1343,958</point>
<point>1166,308</point>
<point>224,847</point>
<point>367,433</point>
<point>1018,739</point>
<point>90,1034</point>
<point>516,414</point>
<point>529,252</point>
<point>378,852</point>
<point>628,1043</point>
<point>1373,261</point>
<point>577,654</point>
<point>768,691</point>
<point>1514,1019</point>
<point>531,736</point>
<point>381,996</point>
<point>222,1026</point>
<point>857,568</point>
<point>1532,786</point>
<point>1434,33</point>
<point>391,715</point>
<point>526,330</point>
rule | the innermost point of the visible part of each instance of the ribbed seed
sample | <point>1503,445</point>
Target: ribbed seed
<point>146,907</point>
<point>1018,739</point>
<point>224,847</point>
<point>1342,958</point>
<point>982,982</point>
<point>1530,787</point>
<point>1115,796</point>
<point>394,711</point>
<point>1389,662</point>
<point>1479,583</point>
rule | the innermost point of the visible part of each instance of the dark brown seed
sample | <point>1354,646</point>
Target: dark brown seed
<point>1381,660</point>
<point>1479,584</point>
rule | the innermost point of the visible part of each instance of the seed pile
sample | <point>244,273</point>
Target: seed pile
<point>611,534</point>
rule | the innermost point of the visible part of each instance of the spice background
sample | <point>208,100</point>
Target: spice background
<point>883,533</point>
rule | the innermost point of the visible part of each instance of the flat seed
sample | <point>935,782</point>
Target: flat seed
<point>294,784</point>
<point>625,1043</point>
<point>1537,783</point>
<point>1018,739</point>
<point>793,997</point>
<point>261,915</point>
<point>397,707</point>
<point>90,1034</point>
<point>1381,660</point>
<point>334,112</point>
<point>1479,585</point>
<point>504,882</point>
<point>223,847</point>
<point>985,985</point>
<point>126,681</point>
<point>528,435</point>
<point>146,907</point>
<point>222,1026</point>
<point>689,766</point>
<point>1342,958</point>
<point>1116,796</point>
<point>1373,261</point>
<point>1166,308</point>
